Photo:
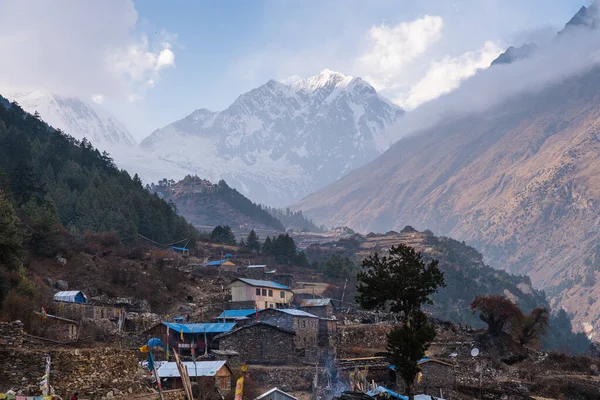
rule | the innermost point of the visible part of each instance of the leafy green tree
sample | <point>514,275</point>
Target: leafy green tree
<point>403,282</point>
<point>252,242</point>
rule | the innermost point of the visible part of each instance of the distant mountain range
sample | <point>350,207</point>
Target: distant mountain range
<point>518,181</point>
<point>77,118</point>
<point>279,142</point>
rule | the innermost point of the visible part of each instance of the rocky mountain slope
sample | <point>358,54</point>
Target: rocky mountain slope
<point>518,182</point>
<point>279,142</point>
<point>77,118</point>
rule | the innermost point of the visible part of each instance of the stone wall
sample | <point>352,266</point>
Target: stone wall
<point>306,329</point>
<point>260,344</point>
<point>94,373</point>
<point>362,340</point>
<point>11,334</point>
<point>286,378</point>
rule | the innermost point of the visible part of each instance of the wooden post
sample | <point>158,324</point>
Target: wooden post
<point>185,378</point>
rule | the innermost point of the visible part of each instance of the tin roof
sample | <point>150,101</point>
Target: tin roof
<point>252,325</point>
<point>386,392</point>
<point>199,368</point>
<point>257,282</point>
<point>265,394</point>
<point>68,296</point>
<point>292,311</point>
<point>230,314</point>
<point>315,302</point>
<point>257,266</point>
<point>199,328</point>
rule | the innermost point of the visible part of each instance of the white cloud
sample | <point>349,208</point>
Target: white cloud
<point>394,48</point>
<point>80,48</point>
<point>98,99</point>
<point>446,74</point>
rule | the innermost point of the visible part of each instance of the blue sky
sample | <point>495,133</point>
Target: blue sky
<point>151,62</point>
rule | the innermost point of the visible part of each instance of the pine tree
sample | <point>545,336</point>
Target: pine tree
<point>252,242</point>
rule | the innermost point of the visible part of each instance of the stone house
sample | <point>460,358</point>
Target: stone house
<point>58,328</point>
<point>259,343</point>
<point>303,324</point>
<point>320,307</point>
<point>436,377</point>
<point>264,294</point>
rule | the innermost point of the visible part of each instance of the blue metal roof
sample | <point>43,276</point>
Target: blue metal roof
<point>213,263</point>
<point>385,391</point>
<point>179,248</point>
<point>256,282</point>
<point>219,327</point>
<point>237,313</point>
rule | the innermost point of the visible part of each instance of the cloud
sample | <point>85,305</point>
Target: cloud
<point>98,99</point>
<point>81,48</point>
<point>394,48</point>
<point>446,74</point>
<point>566,56</point>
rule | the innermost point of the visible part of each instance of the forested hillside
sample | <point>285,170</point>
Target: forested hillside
<point>49,180</point>
<point>206,204</point>
<point>294,220</point>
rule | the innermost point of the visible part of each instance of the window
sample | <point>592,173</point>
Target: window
<point>264,292</point>
<point>270,293</point>
<point>282,294</point>
<point>271,305</point>
<point>257,291</point>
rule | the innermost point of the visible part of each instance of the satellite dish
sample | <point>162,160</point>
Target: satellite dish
<point>474,352</point>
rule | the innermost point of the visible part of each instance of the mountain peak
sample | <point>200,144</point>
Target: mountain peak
<point>323,79</point>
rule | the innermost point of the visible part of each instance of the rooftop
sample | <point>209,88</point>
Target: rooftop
<point>200,328</point>
<point>199,368</point>
<point>222,335</point>
<point>265,394</point>
<point>257,266</point>
<point>294,312</point>
<point>257,282</point>
<point>315,302</point>
<point>230,314</point>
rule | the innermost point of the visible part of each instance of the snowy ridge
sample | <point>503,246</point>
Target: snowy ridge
<point>278,142</point>
<point>76,118</point>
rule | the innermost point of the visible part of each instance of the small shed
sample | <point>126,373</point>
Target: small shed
<point>275,394</point>
<point>71,296</point>
<point>213,371</point>
<point>320,307</point>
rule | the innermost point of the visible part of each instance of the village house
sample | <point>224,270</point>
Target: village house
<point>320,307</point>
<point>303,324</point>
<point>58,328</point>
<point>276,394</point>
<point>211,374</point>
<point>260,343</point>
<point>264,294</point>
<point>436,377</point>
<point>189,338</point>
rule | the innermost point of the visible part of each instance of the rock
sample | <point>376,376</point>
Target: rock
<point>62,285</point>
<point>49,281</point>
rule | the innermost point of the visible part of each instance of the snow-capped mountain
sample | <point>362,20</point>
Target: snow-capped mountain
<point>77,118</point>
<point>279,142</point>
